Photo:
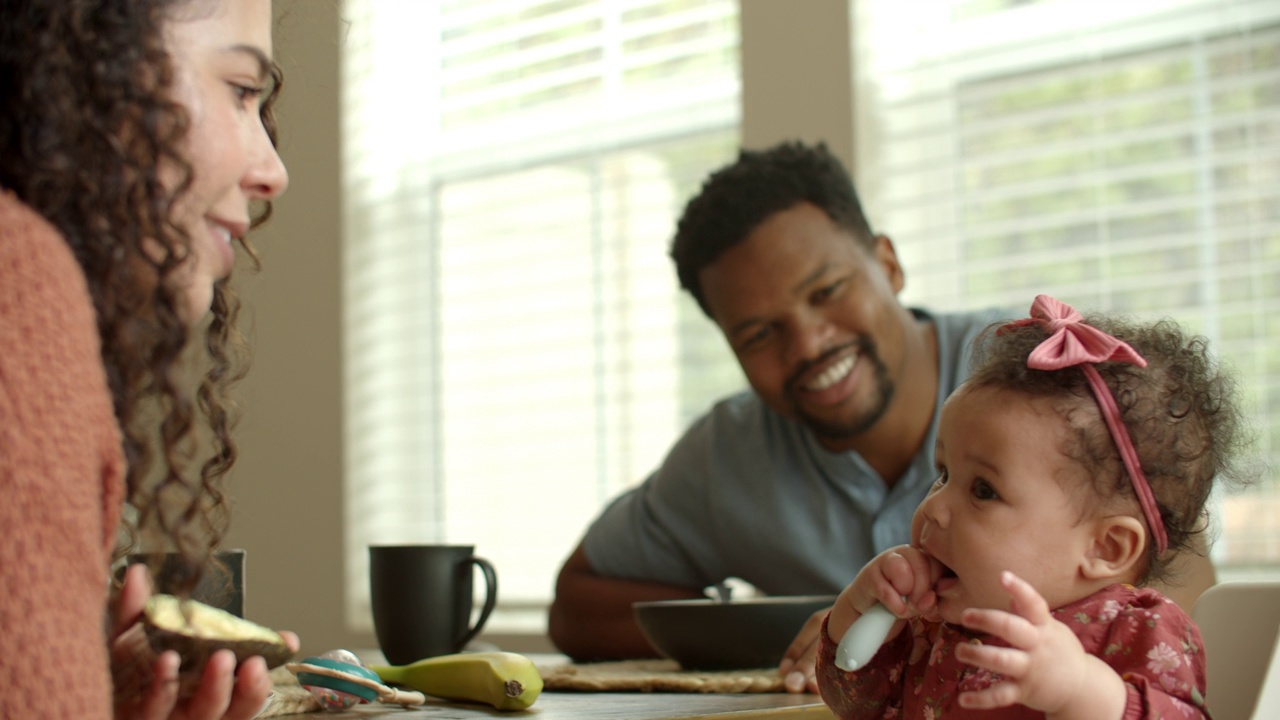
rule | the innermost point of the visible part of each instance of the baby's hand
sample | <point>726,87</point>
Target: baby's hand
<point>900,578</point>
<point>1046,667</point>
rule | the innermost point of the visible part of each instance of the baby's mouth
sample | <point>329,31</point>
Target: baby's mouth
<point>947,579</point>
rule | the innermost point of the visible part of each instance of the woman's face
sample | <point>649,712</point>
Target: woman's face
<point>221,54</point>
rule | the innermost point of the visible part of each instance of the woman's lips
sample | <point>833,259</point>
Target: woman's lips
<point>222,244</point>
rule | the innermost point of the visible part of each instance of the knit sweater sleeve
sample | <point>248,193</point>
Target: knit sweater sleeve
<point>61,470</point>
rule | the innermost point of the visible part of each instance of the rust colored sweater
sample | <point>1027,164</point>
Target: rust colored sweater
<point>61,479</point>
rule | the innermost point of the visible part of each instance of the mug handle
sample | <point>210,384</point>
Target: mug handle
<point>490,598</point>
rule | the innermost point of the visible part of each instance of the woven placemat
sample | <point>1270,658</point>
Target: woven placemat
<point>658,676</point>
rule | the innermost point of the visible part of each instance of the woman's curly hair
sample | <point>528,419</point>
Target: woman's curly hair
<point>86,124</point>
<point>1181,413</point>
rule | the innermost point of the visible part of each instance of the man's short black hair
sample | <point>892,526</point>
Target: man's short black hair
<point>737,198</point>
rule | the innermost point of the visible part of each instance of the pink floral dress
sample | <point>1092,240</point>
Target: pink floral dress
<point>1143,635</point>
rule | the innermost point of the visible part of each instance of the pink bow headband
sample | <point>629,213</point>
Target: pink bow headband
<point>1071,343</point>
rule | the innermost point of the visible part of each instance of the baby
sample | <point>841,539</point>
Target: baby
<point>1072,466</point>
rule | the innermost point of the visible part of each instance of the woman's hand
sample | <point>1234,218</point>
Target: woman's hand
<point>1046,667</point>
<point>146,684</point>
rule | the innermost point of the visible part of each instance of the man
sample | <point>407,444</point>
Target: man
<point>795,484</point>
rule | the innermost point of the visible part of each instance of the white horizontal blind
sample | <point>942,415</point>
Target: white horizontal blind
<point>517,347</point>
<point>1118,155</point>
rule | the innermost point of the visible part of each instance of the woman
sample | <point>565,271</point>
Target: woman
<point>136,148</point>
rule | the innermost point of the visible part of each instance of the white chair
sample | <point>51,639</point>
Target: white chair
<point>1240,622</point>
<point>1269,699</point>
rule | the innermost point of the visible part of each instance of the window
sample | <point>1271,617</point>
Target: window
<point>518,349</point>
<point>1117,155</point>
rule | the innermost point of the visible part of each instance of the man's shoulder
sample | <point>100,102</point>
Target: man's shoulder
<point>741,404</point>
<point>964,321</point>
<point>746,411</point>
<point>740,412</point>
<point>955,333</point>
<point>956,330</point>
<point>739,424</point>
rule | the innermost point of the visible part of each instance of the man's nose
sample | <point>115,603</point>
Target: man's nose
<point>808,337</point>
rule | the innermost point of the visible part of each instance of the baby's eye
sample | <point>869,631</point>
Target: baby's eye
<point>983,490</point>
<point>942,478</point>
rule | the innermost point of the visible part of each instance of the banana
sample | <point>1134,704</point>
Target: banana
<point>505,680</point>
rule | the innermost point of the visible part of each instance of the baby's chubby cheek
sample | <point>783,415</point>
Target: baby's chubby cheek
<point>919,527</point>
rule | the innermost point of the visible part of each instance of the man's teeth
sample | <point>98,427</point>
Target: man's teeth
<point>223,233</point>
<point>832,375</point>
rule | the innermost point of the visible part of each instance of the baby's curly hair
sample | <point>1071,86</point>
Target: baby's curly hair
<point>1181,413</point>
<point>740,196</point>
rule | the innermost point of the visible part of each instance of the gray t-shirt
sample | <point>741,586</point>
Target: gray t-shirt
<point>750,494</point>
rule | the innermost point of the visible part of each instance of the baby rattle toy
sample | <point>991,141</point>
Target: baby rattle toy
<point>337,680</point>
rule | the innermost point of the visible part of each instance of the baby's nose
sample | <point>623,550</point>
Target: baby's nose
<point>926,527</point>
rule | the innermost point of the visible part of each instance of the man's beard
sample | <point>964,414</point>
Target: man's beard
<point>837,430</point>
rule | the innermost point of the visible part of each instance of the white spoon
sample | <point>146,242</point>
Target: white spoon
<point>864,637</point>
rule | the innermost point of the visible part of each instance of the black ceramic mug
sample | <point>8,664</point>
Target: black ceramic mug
<point>221,584</point>
<point>421,597</point>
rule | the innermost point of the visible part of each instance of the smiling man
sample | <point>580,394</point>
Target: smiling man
<point>798,482</point>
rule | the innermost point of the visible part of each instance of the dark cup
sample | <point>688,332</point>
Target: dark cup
<point>421,598</point>
<point>221,586</point>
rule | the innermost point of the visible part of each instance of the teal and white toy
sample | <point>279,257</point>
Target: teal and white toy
<point>337,680</point>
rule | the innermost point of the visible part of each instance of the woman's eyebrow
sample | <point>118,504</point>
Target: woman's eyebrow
<point>264,62</point>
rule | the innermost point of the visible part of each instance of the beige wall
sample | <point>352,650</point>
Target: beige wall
<point>797,74</point>
<point>287,484</point>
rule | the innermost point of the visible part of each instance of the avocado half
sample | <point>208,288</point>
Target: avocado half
<point>196,631</point>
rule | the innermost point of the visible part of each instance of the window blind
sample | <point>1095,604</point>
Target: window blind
<point>1119,156</point>
<point>517,347</point>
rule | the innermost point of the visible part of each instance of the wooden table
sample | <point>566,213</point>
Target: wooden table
<point>618,706</point>
<point>572,705</point>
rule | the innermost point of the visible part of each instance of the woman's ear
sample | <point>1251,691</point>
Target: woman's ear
<point>1119,542</point>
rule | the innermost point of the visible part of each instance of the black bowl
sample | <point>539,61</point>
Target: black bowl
<point>706,634</point>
